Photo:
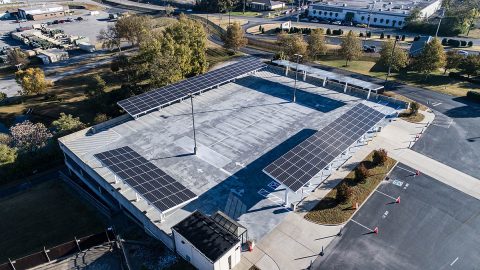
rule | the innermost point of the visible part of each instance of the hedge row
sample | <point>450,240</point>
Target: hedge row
<point>456,42</point>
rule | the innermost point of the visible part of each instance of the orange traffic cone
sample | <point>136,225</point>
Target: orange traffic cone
<point>397,200</point>
<point>375,230</point>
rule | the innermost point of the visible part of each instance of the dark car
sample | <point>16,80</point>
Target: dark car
<point>55,22</point>
<point>79,19</point>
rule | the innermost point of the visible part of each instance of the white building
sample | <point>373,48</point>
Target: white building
<point>375,13</point>
<point>265,5</point>
<point>205,244</point>
<point>42,12</point>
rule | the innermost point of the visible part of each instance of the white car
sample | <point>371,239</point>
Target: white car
<point>337,22</point>
<point>462,53</point>
<point>315,21</point>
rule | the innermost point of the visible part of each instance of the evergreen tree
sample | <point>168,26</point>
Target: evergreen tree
<point>234,39</point>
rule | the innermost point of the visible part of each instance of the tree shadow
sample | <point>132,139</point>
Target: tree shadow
<point>470,109</point>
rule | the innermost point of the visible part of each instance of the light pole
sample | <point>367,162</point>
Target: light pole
<point>439,22</point>
<point>296,77</point>
<point>390,62</point>
<point>193,122</point>
<point>368,23</point>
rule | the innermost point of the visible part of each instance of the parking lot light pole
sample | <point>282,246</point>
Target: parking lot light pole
<point>296,78</point>
<point>390,62</point>
<point>193,122</point>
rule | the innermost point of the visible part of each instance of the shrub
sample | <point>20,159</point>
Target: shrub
<point>414,106</point>
<point>403,37</point>
<point>388,36</point>
<point>100,118</point>
<point>361,173</point>
<point>263,30</point>
<point>344,193</point>
<point>382,35</point>
<point>337,32</point>
<point>470,44</point>
<point>329,31</point>
<point>474,95</point>
<point>463,43</point>
<point>444,41</point>
<point>369,34</point>
<point>5,139</point>
<point>361,34</point>
<point>3,96</point>
<point>380,156</point>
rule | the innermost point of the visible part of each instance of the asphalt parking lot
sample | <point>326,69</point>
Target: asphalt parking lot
<point>433,227</point>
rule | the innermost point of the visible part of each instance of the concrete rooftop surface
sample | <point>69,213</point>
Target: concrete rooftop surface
<point>240,128</point>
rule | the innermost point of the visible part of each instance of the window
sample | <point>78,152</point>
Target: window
<point>331,13</point>
<point>381,20</point>
<point>387,21</point>
<point>363,18</point>
<point>394,22</point>
<point>314,12</point>
<point>374,19</point>
<point>400,23</point>
<point>325,13</point>
<point>336,14</point>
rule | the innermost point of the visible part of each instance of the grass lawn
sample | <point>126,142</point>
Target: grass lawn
<point>46,215</point>
<point>329,211</point>
<point>437,81</point>
<point>247,13</point>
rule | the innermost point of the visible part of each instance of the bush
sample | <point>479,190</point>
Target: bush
<point>445,41</point>
<point>473,95</point>
<point>361,34</point>
<point>329,31</point>
<point>380,156</point>
<point>100,118</point>
<point>369,34</point>
<point>382,35</point>
<point>337,32</point>
<point>470,44</point>
<point>388,36</point>
<point>361,173</point>
<point>454,43</point>
<point>403,37</point>
<point>344,193</point>
<point>463,43</point>
<point>3,96</point>
<point>414,107</point>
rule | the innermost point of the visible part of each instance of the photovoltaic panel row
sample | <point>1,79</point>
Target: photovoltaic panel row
<point>159,188</point>
<point>296,167</point>
<point>171,93</point>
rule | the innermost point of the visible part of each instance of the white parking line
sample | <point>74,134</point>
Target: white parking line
<point>358,223</point>
<point>386,195</point>
<point>454,261</point>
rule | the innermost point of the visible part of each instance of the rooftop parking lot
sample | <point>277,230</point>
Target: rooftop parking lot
<point>241,127</point>
<point>434,227</point>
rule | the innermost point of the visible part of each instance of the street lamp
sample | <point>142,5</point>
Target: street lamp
<point>439,22</point>
<point>193,122</point>
<point>390,61</point>
<point>296,77</point>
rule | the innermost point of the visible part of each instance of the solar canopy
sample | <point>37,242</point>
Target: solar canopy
<point>296,167</point>
<point>155,99</point>
<point>157,187</point>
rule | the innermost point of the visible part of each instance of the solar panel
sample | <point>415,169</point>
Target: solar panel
<point>296,167</point>
<point>171,93</point>
<point>157,187</point>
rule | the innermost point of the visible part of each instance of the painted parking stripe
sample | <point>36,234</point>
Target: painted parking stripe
<point>454,261</point>
<point>361,225</point>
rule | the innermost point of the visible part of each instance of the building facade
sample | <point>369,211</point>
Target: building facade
<point>265,5</point>
<point>376,13</point>
<point>42,12</point>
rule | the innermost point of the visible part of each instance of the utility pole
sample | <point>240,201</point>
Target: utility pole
<point>390,62</point>
<point>298,12</point>
<point>244,6</point>
<point>440,21</point>
<point>368,23</point>
<point>193,122</point>
<point>296,78</point>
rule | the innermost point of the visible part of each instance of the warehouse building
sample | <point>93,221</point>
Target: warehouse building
<point>374,13</point>
<point>42,12</point>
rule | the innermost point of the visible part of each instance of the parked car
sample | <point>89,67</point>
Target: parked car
<point>55,22</point>
<point>462,53</point>
<point>324,21</point>
<point>362,25</point>
<point>79,19</point>
<point>369,49</point>
<point>337,22</point>
<point>347,23</point>
<point>315,20</point>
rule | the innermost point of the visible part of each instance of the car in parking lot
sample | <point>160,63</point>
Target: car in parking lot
<point>369,49</point>
<point>337,22</point>
<point>315,20</point>
<point>362,25</point>
<point>462,53</point>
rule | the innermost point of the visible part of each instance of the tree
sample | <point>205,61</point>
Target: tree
<point>134,28</point>
<point>17,58</point>
<point>431,58</point>
<point>29,136</point>
<point>414,107</point>
<point>234,39</point>
<point>380,156</point>
<point>453,60</point>
<point>361,173</point>
<point>96,86</point>
<point>344,193</point>
<point>351,47</point>
<point>67,123</point>
<point>414,16</point>
<point>32,81</point>
<point>110,38</point>
<point>5,139</point>
<point>218,5</point>
<point>316,43</point>
<point>291,44</point>
<point>470,65</point>
<point>398,60</point>
<point>7,154</point>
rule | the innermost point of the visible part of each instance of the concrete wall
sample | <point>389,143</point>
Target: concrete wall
<point>431,9</point>
<point>234,255</point>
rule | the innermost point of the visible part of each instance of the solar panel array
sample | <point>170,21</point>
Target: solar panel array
<point>163,96</point>
<point>159,188</point>
<point>296,167</point>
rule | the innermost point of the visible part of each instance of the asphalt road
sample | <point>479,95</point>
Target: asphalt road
<point>433,227</point>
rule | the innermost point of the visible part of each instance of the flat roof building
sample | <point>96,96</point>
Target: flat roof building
<point>375,13</point>
<point>42,12</point>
